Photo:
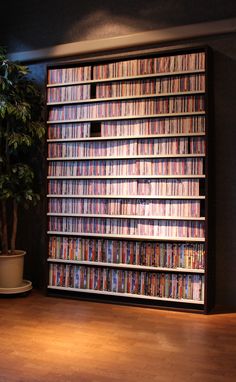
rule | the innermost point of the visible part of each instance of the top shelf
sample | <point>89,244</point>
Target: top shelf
<point>113,79</point>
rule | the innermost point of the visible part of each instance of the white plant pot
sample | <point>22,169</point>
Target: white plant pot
<point>11,269</point>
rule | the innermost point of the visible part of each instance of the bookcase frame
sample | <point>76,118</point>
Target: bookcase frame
<point>160,302</point>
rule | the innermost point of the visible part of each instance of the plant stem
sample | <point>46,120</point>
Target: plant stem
<point>14,226</point>
<point>4,228</point>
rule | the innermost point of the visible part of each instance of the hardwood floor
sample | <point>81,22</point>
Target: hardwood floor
<point>53,339</point>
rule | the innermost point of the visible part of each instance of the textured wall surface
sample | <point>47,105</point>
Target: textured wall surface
<point>33,24</point>
<point>36,24</point>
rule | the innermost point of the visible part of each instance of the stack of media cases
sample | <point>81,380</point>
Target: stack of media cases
<point>127,179</point>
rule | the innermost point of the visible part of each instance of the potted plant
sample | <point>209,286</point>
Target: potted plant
<point>21,134</point>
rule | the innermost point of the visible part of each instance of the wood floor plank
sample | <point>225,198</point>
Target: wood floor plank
<point>54,339</point>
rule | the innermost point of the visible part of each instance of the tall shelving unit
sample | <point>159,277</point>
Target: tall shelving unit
<point>128,179</point>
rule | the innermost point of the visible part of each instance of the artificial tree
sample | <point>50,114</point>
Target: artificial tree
<point>21,135</point>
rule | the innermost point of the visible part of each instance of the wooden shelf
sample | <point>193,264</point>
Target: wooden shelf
<point>110,216</point>
<point>113,79</point>
<point>127,117</point>
<point>127,266</point>
<point>127,295</point>
<point>138,197</point>
<point>84,158</point>
<point>175,135</point>
<point>123,98</point>
<point>128,177</point>
<point>130,237</point>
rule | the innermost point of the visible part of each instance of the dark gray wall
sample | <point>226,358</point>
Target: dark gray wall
<point>37,24</point>
<point>224,81</point>
<point>32,24</point>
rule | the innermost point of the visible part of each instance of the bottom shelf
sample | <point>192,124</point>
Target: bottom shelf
<point>127,283</point>
<point>129,295</point>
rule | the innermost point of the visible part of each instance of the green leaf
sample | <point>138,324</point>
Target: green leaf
<point>21,133</point>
